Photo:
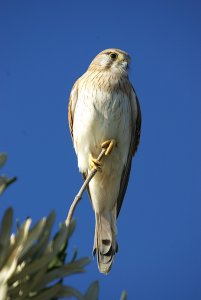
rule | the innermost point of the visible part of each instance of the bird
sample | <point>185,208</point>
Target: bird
<point>104,112</point>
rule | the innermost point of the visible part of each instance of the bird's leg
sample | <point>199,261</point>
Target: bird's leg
<point>94,163</point>
<point>109,145</point>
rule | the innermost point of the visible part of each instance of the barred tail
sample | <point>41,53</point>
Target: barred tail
<point>105,245</point>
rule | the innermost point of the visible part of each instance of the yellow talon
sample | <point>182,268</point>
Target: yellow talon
<point>94,163</point>
<point>109,145</point>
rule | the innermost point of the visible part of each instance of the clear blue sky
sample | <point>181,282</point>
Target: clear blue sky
<point>44,47</point>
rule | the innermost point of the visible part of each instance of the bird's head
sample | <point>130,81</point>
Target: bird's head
<point>113,60</point>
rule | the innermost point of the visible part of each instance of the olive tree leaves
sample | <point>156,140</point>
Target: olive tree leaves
<point>4,180</point>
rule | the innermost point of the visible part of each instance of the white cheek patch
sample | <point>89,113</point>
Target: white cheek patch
<point>104,60</point>
<point>115,65</point>
<point>119,67</point>
<point>115,68</point>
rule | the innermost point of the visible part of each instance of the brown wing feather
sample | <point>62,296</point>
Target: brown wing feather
<point>135,139</point>
<point>71,110</point>
<point>71,106</point>
<point>137,126</point>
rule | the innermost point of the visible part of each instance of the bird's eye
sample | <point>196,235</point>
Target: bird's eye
<point>113,56</point>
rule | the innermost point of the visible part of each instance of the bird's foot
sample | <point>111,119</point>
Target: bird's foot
<point>109,145</point>
<point>94,163</point>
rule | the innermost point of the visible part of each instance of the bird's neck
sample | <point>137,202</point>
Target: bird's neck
<point>106,75</point>
<point>105,80</point>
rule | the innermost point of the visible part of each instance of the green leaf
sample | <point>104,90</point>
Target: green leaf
<point>33,235</point>
<point>66,270</point>
<point>5,182</point>
<point>59,244</point>
<point>15,249</point>
<point>31,268</point>
<point>3,159</point>
<point>92,292</point>
<point>74,255</point>
<point>25,286</point>
<point>48,293</point>
<point>68,291</point>
<point>6,225</point>
<point>42,244</point>
<point>22,235</point>
<point>3,291</point>
<point>60,238</point>
<point>123,295</point>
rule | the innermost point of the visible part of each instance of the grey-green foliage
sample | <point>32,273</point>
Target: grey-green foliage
<point>32,265</point>
<point>123,295</point>
<point>4,180</point>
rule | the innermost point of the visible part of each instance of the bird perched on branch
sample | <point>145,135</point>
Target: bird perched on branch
<point>104,112</point>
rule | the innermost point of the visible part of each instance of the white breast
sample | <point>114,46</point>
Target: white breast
<point>100,115</point>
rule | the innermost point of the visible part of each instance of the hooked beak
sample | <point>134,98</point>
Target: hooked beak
<point>126,62</point>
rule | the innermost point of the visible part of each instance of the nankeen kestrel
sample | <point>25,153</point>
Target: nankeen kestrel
<point>104,112</point>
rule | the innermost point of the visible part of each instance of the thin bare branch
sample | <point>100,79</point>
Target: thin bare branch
<point>78,197</point>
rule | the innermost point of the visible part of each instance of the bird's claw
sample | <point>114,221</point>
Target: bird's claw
<point>94,163</point>
<point>109,145</point>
